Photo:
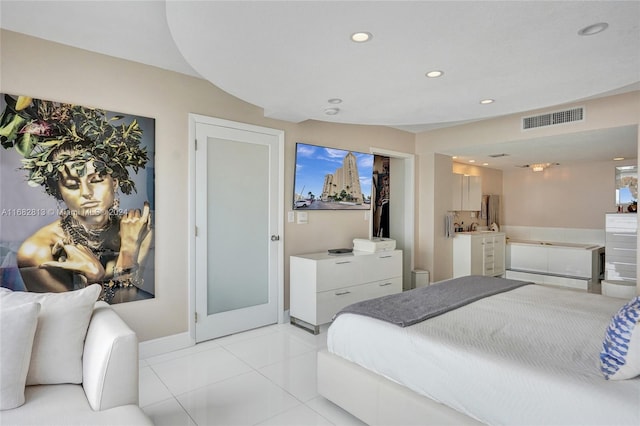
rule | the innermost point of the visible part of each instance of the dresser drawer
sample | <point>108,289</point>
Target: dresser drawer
<point>618,239</point>
<point>622,222</point>
<point>379,266</point>
<point>619,270</point>
<point>343,271</point>
<point>618,254</point>
<point>330,302</point>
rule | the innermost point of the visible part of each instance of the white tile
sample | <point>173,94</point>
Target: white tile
<point>152,390</point>
<point>319,341</point>
<point>297,416</point>
<point>200,347</point>
<point>335,414</point>
<point>250,334</point>
<point>168,413</point>
<point>296,375</point>
<point>269,349</point>
<point>242,400</point>
<point>199,369</point>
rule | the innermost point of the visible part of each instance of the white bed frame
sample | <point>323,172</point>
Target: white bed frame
<point>377,400</point>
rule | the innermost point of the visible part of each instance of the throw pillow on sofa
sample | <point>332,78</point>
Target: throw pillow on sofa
<point>17,329</point>
<point>58,344</point>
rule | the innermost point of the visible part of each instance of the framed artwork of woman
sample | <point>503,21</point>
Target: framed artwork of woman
<point>76,199</point>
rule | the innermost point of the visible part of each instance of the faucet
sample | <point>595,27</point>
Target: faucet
<point>473,226</point>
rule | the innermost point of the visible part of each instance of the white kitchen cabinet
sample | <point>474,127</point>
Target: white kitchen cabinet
<point>321,284</point>
<point>479,253</point>
<point>466,193</point>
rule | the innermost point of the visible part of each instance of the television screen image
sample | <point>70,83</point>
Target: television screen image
<point>332,179</point>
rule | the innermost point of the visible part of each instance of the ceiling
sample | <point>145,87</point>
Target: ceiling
<point>291,57</point>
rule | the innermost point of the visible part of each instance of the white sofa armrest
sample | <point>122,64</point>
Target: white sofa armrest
<point>110,360</point>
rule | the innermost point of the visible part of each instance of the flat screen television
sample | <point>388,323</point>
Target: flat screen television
<point>332,179</point>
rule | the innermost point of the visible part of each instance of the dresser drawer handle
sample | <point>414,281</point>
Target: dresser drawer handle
<point>385,284</point>
<point>342,263</point>
<point>342,293</point>
<point>385,257</point>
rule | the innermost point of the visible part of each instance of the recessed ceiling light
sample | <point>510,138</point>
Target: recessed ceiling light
<point>618,159</point>
<point>435,74</point>
<point>487,101</point>
<point>332,111</point>
<point>472,161</point>
<point>593,29</point>
<point>485,164</point>
<point>361,37</point>
<point>335,101</point>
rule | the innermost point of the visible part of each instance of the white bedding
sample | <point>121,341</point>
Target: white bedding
<point>529,356</point>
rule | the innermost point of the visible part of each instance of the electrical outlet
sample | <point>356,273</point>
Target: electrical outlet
<point>291,217</point>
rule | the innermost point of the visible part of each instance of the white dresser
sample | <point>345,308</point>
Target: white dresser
<point>321,284</point>
<point>479,253</point>
<point>620,255</point>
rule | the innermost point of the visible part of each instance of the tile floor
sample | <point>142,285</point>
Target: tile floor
<point>265,376</point>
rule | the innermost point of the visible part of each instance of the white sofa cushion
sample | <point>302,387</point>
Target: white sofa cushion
<point>67,405</point>
<point>17,329</point>
<point>110,360</point>
<point>62,326</point>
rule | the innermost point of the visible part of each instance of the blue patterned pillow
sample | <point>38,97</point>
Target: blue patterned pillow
<point>620,356</point>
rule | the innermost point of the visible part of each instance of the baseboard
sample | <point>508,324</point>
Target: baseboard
<point>163,345</point>
<point>175,342</point>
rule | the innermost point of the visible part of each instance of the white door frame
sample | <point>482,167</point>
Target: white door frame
<point>409,207</point>
<point>197,118</point>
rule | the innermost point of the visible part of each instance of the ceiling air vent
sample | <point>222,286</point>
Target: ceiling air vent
<point>553,118</point>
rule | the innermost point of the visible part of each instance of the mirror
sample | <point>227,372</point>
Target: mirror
<point>627,188</point>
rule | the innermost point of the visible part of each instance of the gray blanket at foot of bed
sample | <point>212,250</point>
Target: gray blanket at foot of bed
<point>419,304</point>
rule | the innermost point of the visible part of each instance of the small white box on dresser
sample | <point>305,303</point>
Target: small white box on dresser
<point>374,245</point>
<point>321,283</point>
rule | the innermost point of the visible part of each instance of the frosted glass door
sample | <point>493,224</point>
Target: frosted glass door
<point>238,220</point>
<point>238,226</point>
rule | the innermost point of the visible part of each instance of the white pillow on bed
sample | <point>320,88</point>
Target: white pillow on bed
<point>620,356</point>
<point>62,326</point>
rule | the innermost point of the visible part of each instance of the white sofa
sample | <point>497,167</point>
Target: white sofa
<point>108,394</point>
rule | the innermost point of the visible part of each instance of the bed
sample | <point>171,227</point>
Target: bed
<point>528,355</point>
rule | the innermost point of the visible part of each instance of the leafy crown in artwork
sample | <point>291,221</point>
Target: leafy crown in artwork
<point>49,134</point>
